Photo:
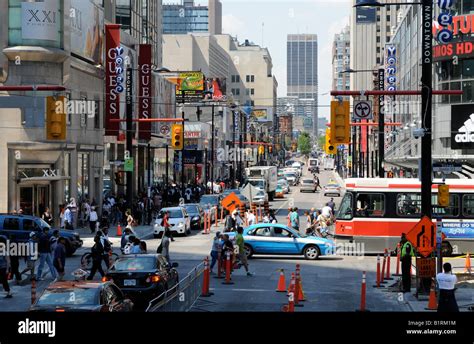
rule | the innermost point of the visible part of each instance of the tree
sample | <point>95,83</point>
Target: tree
<point>322,141</point>
<point>304,143</point>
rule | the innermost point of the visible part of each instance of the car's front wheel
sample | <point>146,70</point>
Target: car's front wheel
<point>248,250</point>
<point>311,252</point>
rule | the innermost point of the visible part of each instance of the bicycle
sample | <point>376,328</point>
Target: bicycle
<point>87,260</point>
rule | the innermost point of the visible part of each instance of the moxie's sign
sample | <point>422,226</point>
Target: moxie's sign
<point>448,51</point>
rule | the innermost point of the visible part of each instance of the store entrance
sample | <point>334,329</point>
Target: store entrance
<point>34,198</point>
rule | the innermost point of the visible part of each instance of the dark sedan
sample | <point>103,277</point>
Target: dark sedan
<point>196,215</point>
<point>143,277</point>
<point>82,296</point>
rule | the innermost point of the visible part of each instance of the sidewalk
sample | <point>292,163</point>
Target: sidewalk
<point>144,232</point>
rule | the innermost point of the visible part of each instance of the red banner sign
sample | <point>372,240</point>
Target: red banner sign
<point>145,90</point>
<point>112,97</point>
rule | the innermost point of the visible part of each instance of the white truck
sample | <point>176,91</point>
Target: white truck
<point>264,178</point>
<point>328,163</point>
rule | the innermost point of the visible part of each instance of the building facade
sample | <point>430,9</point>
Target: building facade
<point>341,59</point>
<point>452,70</point>
<point>66,53</point>
<point>187,18</point>
<point>302,70</point>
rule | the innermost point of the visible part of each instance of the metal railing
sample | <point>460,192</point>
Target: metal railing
<point>183,297</point>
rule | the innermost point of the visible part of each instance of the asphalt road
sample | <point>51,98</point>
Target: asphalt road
<point>330,283</point>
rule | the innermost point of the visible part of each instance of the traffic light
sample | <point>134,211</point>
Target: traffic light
<point>443,195</point>
<point>270,149</point>
<point>120,178</point>
<point>177,136</point>
<point>261,150</point>
<point>329,147</point>
<point>340,123</point>
<point>55,119</point>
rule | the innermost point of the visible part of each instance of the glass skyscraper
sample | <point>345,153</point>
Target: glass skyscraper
<point>187,17</point>
<point>302,70</point>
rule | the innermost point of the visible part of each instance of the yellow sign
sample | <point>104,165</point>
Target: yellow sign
<point>260,115</point>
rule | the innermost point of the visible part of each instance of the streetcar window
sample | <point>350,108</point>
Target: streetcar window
<point>345,210</point>
<point>370,205</point>
<point>409,204</point>
<point>451,211</point>
<point>468,205</point>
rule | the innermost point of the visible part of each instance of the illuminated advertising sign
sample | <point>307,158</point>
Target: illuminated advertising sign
<point>113,78</point>
<point>144,91</point>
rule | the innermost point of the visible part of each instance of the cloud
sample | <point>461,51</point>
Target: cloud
<point>232,25</point>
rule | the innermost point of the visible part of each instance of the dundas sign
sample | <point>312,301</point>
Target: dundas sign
<point>462,127</point>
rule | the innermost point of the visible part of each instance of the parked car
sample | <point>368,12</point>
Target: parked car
<point>143,277</point>
<point>260,197</point>
<point>308,184</point>
<point>278,239</point>
<point>196,214</point>
<point>18,228</point>
<point>82,296</point>
<point>332,189</point>
<point>179,220</point>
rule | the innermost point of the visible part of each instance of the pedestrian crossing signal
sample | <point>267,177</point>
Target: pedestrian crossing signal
<point>443,195</point>
<point>177,136</point>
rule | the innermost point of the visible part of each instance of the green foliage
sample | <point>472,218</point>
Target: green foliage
<point>304,143</point>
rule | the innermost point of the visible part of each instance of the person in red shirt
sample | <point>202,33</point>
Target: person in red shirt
<point>165,223</point>
<point>288,222</point>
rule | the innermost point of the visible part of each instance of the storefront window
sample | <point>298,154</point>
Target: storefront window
<point>467,7</point>
<point>455,86</point>
<point>468,68</point>
<point>468,91</point>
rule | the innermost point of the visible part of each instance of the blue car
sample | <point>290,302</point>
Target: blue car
<point>277,239</point>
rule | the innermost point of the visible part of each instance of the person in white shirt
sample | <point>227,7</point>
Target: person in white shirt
<point>447,284</point>
<point>251,218</point>
<point>326,211</point>
<point>93,220</point>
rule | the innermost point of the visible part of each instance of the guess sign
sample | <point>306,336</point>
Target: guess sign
<point>113,79</point>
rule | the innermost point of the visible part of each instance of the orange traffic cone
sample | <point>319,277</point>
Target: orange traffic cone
<point>292,283</point>
<point>119,230</point>
<point>281,288</point>
<point>432,303</point>
<point>467,265</point>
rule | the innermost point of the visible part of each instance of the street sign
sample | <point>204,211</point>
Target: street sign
<point>426,267</point>
<point>231,202</point>
<point>128,167</point>
<point>165,130</point>
<point>423,236</point>
<point>447,168</point>
<point>363,109</point>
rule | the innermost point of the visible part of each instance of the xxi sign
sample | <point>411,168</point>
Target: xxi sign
<point>40,20</point>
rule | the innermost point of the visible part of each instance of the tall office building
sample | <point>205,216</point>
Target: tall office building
<point>302,70</point>
<point>188,17</point>
<point>341,58</point>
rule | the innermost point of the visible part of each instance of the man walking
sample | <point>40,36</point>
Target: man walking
<point>407,252</point>
<point>447,283</point>
<point>44,250</point>
<point>239,240</point>
<point>4,266</point>
<point>68,218</point>
<point>295,219</point>
<point>60,258</point>
<point>32,256</point>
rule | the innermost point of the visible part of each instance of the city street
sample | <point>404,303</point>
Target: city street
<point>330,283</point>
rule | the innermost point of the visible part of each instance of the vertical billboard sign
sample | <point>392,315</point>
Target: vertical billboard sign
<point>112,85</point>
<point>144,91</point>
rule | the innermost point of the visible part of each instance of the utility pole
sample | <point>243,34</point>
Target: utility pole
<point>381,155</point>
<point>184,146</point>
<point>426,105</point>
<point>212,149</point>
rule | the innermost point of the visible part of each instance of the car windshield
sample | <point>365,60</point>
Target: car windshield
<point>69,297</point>
<point>207,199</point>
<point>332,185</point>
<point>291,175</point>
<point>174,213</point>
<point>192,209</point>
<point>43,223</point>
<point>257,183</point>
<point>135,264</point>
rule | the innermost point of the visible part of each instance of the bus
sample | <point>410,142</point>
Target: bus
<point>376,211</point>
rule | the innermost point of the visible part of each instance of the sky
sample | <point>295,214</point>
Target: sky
<point>244,18</point>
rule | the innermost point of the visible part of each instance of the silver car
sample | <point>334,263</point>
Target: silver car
<point>308,185</point>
